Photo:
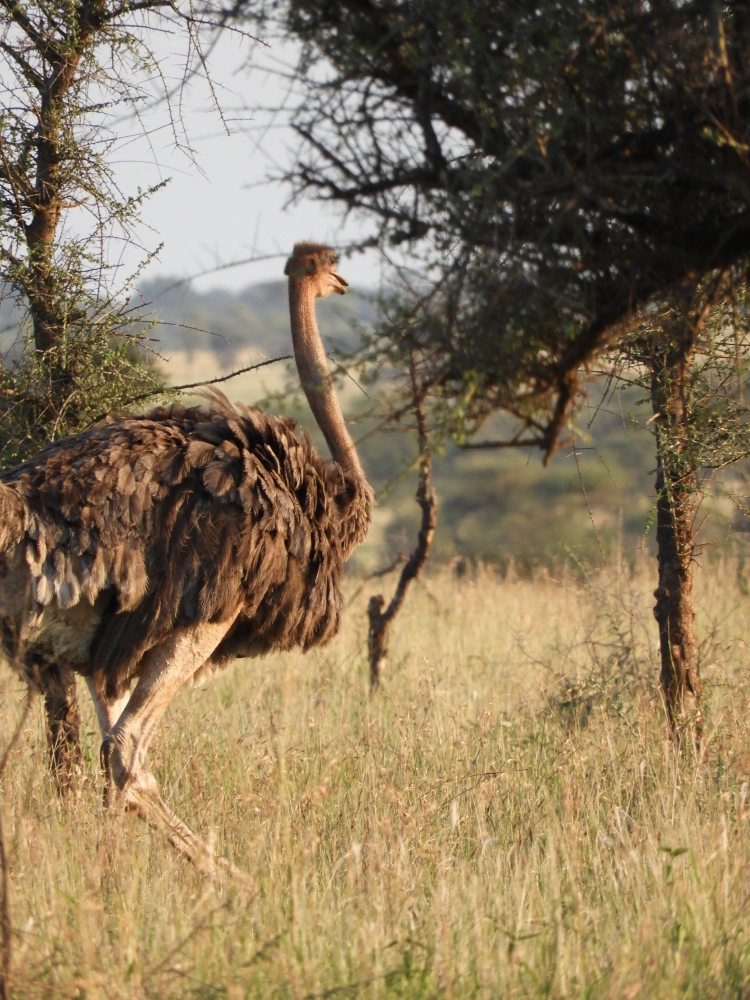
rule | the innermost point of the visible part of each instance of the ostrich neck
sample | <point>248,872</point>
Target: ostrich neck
<point>317,384</point>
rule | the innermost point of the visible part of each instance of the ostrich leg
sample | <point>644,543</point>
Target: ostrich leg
<point>108,710</point>
<point>130,785</point>
<point>57,684</point>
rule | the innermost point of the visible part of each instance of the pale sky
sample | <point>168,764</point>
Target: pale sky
<point>218,209</point>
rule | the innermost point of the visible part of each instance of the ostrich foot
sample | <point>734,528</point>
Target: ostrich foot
<point>139,795</point>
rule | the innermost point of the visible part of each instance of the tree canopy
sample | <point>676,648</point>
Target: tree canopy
<point>555,166</point>
<point>67,72</point>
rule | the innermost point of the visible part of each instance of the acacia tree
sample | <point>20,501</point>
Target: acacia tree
<point>66,68</point>
<point>557,164</point>
<point>555,169</point>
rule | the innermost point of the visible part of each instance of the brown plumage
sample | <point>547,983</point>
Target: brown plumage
<point>154,547</point>
<point>181,516</point>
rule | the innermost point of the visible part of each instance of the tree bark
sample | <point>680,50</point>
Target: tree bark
<point>676,502</point>
<point>46,202</point>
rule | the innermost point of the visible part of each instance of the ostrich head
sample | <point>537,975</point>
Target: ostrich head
<point>315,265</point>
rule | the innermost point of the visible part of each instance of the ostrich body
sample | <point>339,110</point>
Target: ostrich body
<point>156,548</point>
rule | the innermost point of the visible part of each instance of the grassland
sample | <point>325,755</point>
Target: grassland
<point>507,818</point>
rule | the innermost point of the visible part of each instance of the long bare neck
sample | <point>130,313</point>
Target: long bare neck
<point>317,384</point>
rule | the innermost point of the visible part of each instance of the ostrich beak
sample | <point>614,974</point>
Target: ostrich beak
<point>342,282</point>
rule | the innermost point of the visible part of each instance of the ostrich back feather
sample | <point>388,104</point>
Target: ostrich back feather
<point>182,515</point>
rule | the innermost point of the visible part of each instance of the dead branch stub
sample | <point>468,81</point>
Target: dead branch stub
<point>380,620</point>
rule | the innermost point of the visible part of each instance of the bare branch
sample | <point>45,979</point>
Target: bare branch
<point>380,621</point>
<point>196,385</point>
<point>20,17</point>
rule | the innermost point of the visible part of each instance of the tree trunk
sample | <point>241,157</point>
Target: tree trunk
<point>42,290</point>
<point>47,307</point>
<point>676,501</point>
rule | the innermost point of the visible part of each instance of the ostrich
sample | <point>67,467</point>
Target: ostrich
<point>155,548</point>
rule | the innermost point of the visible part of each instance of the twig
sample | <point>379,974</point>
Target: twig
<point>196,385</point>
<point>348,374</point>
<point>511,443</point>
<point>388,569</point>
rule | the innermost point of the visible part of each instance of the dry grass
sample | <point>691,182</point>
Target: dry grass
<point>506,818</point>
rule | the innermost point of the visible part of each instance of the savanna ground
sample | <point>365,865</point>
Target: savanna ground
<point>507,818</point>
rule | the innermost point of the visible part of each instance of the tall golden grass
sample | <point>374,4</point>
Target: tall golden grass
<point>506,818</point>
